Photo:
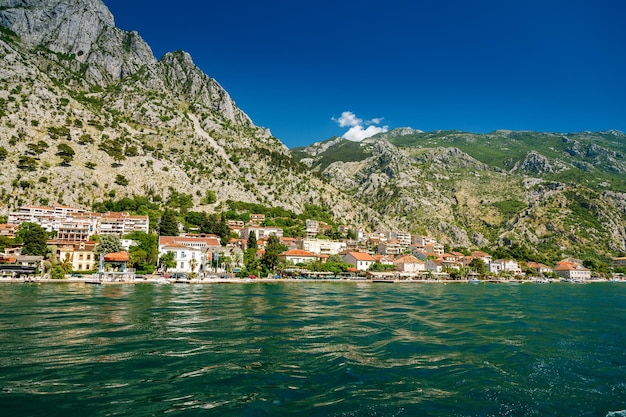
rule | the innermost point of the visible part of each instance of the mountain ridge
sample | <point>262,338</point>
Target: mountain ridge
<point>133,125</point>
<point>551,192</point>
<point>88,114</point>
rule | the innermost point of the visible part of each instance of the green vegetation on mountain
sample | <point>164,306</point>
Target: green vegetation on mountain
<point>93,119</point>
<point>543,194</point>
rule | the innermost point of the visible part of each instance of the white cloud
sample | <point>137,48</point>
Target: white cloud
<point>358,131</point>
<point>348,119</point>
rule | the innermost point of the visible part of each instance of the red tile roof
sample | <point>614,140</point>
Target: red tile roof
<point>298,252</point>
<point>116,257</point>
<point>362,256</point>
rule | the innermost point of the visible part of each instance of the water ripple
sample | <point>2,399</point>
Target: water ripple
<point>340,349</point>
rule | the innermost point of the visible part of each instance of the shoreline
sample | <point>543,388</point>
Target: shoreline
<point>162,281</point>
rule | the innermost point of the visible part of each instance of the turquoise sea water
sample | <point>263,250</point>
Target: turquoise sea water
<point>313,349</point>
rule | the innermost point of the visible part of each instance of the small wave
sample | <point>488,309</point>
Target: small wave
<point>621,413</point>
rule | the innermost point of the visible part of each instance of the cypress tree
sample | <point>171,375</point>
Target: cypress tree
<point>168,226</point>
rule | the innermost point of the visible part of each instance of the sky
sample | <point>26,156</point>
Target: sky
<point>312,70</point>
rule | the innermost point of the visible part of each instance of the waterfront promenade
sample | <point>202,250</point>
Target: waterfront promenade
<point>157,280</point>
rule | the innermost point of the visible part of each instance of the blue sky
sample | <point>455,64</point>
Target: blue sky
<point>310,70</point>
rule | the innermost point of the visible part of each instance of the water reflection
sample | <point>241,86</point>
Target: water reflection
<point>312,349</point>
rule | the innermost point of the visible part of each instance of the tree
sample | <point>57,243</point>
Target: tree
<point>144,253</point>
<point>168,226</point>
<point>479,266</point>
<point>66,153</point>
<point>192,264</point>
<point>121,180</point>
<point>378,267</point>
<point>252,241</point>
<point>167,261</point>
<point>216,225</point>
<point>34,239</point>
<point>210,197</point>
<point>6,241</point>
<point>3,153</point>
<point>273,248</point>
<point>108,244</point>
<point>27,163</point>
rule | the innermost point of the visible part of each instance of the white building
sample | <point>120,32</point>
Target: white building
<point>360,260</point>
<point>260,232</point>
<point>188,259</point>
<point>402,238</point>
<point>322,247</point>
<point>77,224</point>
<point>504,265</point>
<point>312,228</point>
<point>297,256</point>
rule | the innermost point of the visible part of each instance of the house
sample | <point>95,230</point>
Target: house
<point>79,253</point>
<point>572,270</point>
<point>617,262</point>
<point>257,218</point>
<point>8,230</point>
<point>15,264</point>
<point>297,256</point>
<point>434,265</point>
<point>409,263</point>
<point>360,260</point>
<point>431,249</point>
<point>384,259</point>
<point>450,260</point>
<point>74,230</point>
<point>312,228</point>
<point>187,259</point>
<point>540,268</point>
<point>234,224</point>
<point>260,232</point>
<point>504,265</point>
<point>290,242</point>
<point>390,247</point>
<point>322,246</point>
<point>209,243</point>
<point>121,223</point>
<point>117,260</point>
<point>424,240</point>
<point>485,257</point>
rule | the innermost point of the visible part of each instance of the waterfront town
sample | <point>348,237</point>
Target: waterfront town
<point>390,256</point>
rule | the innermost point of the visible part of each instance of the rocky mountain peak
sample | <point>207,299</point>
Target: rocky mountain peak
<point>82,29</point>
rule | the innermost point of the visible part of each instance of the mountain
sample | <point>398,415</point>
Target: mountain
<point>88,113</point>
<point>549,193</point>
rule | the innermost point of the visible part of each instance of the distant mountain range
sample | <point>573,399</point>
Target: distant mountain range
<point>551,193</point>
<point>87,113</point>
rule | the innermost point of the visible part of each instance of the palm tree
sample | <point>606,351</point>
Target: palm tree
<point>193,263</point>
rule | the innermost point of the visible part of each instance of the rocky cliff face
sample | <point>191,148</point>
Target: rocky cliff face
<point>83,29</point>
<point>89,114</point>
